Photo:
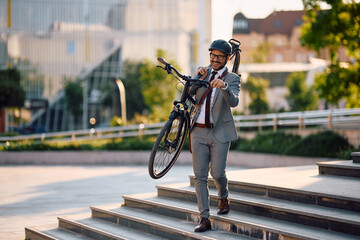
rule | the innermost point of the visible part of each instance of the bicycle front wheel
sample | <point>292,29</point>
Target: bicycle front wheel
<point>167,146</point>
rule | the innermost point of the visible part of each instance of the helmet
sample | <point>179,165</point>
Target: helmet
<point>221,45</point>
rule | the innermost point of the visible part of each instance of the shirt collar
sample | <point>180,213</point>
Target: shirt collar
<point>220,72</point>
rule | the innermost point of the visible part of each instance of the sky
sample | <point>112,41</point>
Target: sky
<point>223,12</point>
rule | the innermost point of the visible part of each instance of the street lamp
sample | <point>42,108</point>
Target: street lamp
<point>121,87</point>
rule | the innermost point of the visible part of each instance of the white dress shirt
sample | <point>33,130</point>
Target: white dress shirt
<point>201,117</point>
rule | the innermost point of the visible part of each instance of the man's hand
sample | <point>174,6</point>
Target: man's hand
<point>202,71</point>
<point>217,83</point>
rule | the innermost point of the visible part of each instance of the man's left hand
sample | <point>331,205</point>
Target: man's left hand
<point>217,83</point>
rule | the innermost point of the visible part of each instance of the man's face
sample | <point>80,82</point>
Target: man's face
<point>218,59</point>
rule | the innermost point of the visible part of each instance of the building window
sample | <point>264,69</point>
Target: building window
<point>70,47</point>
<point>298,22</point>
<point>278,57</point>
<point>299,57</point>
<point>278,42</point>
<point>278,23</point>
<point>241,24</point>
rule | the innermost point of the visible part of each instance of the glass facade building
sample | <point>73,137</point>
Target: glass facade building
<point>51,41</point>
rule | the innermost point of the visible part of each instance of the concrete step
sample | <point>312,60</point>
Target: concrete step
<point>86,228</point>
<point>95,228</point>
<point>340,168</point>
<point>322,191</point>
<point>356,157</point>
<point>51,232</point>
<point>158,224</point>
<point>299,213</point>
<point>241,223</point>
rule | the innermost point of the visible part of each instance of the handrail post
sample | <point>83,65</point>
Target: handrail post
<point>329,121</point>
<point>275,124</point>
<point>259,126</point>
<point>300,122</point>
<point>141,127</point>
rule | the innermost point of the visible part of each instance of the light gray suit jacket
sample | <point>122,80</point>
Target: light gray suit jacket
<point>224,125</point>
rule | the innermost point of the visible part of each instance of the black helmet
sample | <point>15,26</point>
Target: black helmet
<point>221,45</point>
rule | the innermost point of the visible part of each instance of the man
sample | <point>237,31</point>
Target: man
<point>213,129</point>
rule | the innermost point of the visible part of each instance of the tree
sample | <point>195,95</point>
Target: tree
<point>134,98</point>
<point>331,29</point>
<point>73,96</point>
<point>261,53</point>
<point>158,88</point>
<point>256,87</point>
<point>300,97</point>
<point>11,92</point>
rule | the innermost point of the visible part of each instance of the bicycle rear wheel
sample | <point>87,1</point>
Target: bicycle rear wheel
<point>167,146</point>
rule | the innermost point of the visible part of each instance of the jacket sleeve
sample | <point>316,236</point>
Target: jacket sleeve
<point>231,94</point>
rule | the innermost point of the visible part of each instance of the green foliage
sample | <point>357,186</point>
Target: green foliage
<point>338,82</point>
<point>130,144</point>
<point>332,28</point>
<point>135,103</point>
<point>238,143</point>
<point>47,147</point>
<point>116,121</point>
<point>11,92</point>
<point>300,97</point>
<point>323,144</point>
<point>158,88</point>
<point>73,95</point>
<point>261,53</point>
<point>329,30</point>
<point>256,87</point>
<point>277,142</point>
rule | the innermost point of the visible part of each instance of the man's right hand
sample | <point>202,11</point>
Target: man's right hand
<point>202,71</point>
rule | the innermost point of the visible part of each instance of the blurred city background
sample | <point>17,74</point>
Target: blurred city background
<point>88,64</point>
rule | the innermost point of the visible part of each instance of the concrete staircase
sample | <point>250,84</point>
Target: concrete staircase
<point>272,203</point>
<point>342,168</point>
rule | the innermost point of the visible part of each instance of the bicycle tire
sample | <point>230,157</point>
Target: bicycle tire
<point>168,146</point>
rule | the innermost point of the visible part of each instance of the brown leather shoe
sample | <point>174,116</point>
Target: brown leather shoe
<point>204,225</point>
<point>223,207</point>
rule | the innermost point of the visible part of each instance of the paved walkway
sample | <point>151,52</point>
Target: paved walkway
<point>37,195</point>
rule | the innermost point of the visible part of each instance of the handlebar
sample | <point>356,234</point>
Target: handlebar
<point>162,60</point>
<point>169,68</point>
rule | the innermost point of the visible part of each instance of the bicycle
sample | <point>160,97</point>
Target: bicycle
<point>171,138</point>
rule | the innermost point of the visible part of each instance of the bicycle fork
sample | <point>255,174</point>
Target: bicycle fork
<point>176,113</point>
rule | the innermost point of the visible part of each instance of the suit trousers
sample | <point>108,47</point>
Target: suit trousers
<point>208,154</point>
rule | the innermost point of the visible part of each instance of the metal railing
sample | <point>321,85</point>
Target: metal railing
<point>322,118</point>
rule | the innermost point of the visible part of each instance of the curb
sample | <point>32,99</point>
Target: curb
<point>240,159</point>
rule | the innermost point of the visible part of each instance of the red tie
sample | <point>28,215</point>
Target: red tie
<point>207,106</point>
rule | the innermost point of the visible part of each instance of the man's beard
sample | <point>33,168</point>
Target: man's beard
<point>219,65</point>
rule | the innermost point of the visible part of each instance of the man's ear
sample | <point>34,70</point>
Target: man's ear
<point>227,58</point>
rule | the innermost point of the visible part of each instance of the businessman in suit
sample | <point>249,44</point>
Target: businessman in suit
<point>213,129</point>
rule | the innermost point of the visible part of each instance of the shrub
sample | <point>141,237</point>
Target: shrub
<point>238,142</point>
<point>277,142</point>
<point>130,144</point>
<point>47,147</point>
<point>322,144</point>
